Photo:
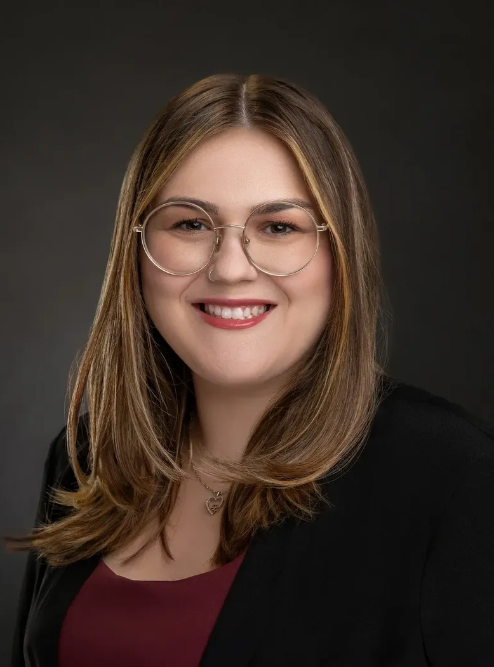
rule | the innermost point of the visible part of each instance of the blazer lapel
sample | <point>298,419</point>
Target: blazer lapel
<point>244,614</point>
<point>59,587</point>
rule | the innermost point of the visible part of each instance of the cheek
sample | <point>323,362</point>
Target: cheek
<point>161,293</point>
<point>311,290</point>
<point>309,296</point>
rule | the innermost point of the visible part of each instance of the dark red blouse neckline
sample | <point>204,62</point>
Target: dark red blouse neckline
<point>216,572</point>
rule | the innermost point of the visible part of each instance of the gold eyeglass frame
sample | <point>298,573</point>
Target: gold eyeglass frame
<point>218,238</point>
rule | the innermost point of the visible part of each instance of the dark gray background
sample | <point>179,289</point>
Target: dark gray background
<point>411,85</point>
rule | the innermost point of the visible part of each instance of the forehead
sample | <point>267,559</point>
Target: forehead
<point>238,168</point>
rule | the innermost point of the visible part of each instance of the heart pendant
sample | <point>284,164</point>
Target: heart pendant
<point>214,503</point>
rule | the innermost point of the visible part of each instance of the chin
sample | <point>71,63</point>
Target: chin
<point>224,376</point>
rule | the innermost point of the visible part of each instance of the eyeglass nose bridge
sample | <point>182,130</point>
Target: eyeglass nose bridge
<point>219,237</point>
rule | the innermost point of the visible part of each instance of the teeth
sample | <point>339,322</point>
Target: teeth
<point>235,313</point>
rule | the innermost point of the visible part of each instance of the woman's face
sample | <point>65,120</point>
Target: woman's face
<point>237,170</point>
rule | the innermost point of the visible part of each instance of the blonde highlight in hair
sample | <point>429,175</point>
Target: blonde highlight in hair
<point>127,450</point>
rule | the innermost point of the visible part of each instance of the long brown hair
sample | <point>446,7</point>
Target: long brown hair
<point>139,393</point>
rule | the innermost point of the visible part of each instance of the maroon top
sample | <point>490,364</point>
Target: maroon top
<point>118,621</point>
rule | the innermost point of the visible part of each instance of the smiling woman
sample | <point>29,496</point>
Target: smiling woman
<point>247,485</point>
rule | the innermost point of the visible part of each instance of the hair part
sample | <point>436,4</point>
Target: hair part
<point>139,393</point>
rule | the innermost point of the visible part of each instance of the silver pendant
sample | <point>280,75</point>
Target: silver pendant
<point>215,502</point>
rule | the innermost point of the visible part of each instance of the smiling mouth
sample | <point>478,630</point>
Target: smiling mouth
<point>236,313</point>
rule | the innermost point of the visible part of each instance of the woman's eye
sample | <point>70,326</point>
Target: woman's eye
<point>281,228</point>
<point>189,225</point>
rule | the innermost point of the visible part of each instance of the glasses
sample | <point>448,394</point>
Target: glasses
<point>279,238</point>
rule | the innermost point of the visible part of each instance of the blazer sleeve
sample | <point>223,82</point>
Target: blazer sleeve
<point>34,565</point>
<point>457,600</point>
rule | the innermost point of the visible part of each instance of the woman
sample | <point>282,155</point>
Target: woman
<point>246,485</point>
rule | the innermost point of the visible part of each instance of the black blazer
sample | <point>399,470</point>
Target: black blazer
<point>398,573</point>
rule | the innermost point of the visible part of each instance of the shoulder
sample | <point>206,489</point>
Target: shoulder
<point>427,437</point>
<point>423,455</point>
<point>416,414</point>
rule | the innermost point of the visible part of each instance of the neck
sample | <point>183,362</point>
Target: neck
<point>226,416</point>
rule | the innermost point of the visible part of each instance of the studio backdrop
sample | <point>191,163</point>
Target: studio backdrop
<point>410,84</point>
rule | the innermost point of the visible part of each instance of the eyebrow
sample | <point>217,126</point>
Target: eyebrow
<point>262,207</point>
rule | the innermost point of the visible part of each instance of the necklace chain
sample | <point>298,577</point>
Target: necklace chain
<point>216,493</point>
<point>213,503</point>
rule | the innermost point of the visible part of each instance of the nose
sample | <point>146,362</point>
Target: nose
<point>230,262</point>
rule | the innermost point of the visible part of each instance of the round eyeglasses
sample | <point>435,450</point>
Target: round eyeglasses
<point>279,238</point>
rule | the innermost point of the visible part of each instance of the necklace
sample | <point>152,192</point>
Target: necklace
<point>214,502</point>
